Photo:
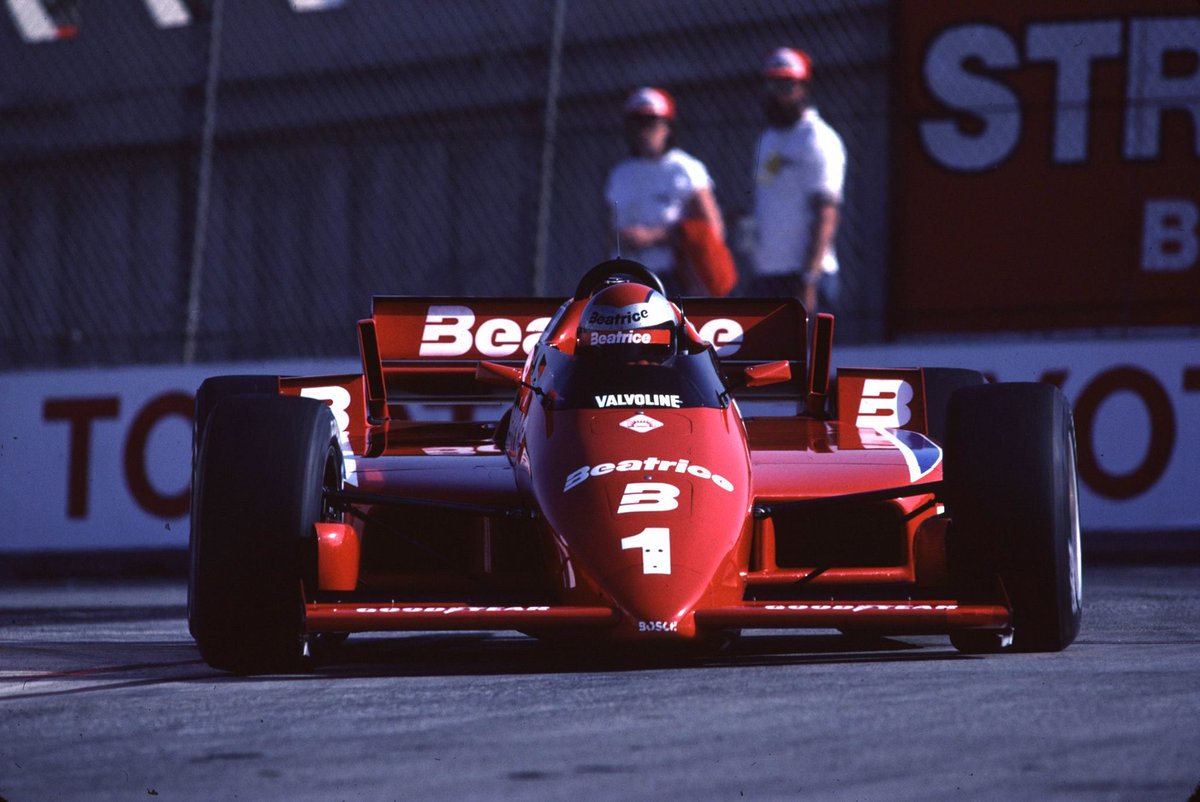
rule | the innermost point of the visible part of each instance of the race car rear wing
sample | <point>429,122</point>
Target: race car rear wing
<point>427,346</point>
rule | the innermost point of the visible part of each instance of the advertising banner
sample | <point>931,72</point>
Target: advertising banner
<point>99,459</point>
<point>1047,165</point>
<point>94,459</point>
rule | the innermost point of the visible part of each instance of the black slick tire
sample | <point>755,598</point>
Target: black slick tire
<point>940,384</point>
<point>262,468</point>
<point>1011,492</point>
<point>216,388</point>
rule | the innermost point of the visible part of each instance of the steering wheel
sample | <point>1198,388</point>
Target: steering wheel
<point>599,275</point>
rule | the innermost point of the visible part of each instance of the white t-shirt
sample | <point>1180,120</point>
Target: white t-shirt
<point>653,192</point>
<point>791,166</point>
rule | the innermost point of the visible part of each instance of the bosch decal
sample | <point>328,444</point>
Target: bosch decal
<point>658,626</point>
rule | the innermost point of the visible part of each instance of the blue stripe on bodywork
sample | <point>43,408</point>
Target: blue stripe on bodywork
<point>921,454</point>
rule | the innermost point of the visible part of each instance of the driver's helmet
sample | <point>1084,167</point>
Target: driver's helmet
<point>629,323</point>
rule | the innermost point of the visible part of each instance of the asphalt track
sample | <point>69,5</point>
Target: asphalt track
<point>103,696</point>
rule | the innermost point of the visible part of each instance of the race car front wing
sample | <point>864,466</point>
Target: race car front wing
<point>905,617</point>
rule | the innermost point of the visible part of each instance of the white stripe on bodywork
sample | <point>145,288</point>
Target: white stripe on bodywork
<point>910,459</point>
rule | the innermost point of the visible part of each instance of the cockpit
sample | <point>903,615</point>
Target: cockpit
<point>620,343</point>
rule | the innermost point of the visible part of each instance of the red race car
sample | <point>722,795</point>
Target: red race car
<point>625,494</point>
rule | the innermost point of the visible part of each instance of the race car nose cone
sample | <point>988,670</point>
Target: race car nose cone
<point>657,606</point>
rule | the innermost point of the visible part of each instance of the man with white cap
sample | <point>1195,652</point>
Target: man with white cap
<point>799,172</point>
<point>655,187</point>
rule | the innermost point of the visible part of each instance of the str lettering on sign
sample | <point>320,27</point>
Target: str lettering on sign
<point>953,75</point>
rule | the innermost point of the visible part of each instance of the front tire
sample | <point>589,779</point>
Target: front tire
<point>940,385</point>
<point>262,469</point>
<point>1012,495</point>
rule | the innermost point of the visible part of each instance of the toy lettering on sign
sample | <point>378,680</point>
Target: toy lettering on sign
<point>1160,447</point>
<point>81,414</point>
<point>1152,88</point>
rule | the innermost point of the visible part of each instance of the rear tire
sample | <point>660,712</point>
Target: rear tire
<point>262,468</point>
<point>1011,491</point>
<point>214,389</point>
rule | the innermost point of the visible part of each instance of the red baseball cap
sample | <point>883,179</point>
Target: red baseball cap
<point>650,101</point>
<point>788,62</point>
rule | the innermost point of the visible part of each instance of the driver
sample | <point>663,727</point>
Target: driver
<point>629,323</point>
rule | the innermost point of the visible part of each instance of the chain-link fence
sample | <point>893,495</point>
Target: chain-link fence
<point>212,180</point>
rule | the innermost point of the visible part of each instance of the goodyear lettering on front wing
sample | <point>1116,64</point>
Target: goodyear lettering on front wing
<point>861,608</point>
<point>449,610</point>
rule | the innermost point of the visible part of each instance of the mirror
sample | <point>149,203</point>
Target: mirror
<point>768,373</point>
<point>497,374</point>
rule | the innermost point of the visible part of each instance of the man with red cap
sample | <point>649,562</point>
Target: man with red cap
<point>799,172</point>
<point>655,187</point>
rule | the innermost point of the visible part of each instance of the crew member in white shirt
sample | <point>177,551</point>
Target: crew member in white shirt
<point>799,172</point>
<point>655,187</point>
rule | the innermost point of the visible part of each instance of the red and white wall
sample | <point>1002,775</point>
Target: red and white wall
<point>98,459</point>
